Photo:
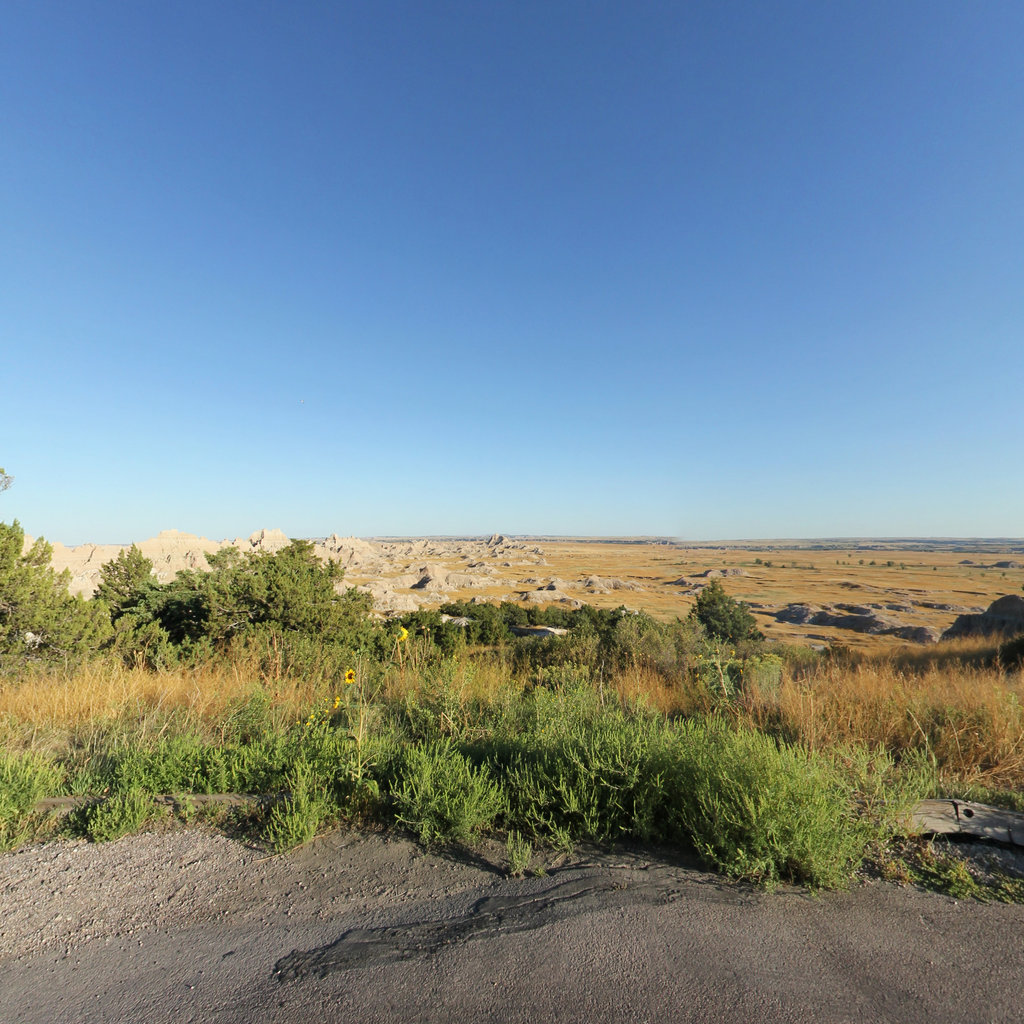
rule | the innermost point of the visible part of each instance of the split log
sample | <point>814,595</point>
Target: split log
<point>68,803</point>
<point>966,819</point>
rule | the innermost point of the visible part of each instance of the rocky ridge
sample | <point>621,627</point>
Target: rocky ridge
<point>1004,616</point>
<point>858,619</point>
<point>399,575</point>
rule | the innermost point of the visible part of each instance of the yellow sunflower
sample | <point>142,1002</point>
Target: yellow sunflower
<point>350,676</point>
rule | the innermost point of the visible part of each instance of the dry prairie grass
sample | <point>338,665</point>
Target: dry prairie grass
<point>47,710</point>
<point>967,718</point>
<point>469,678</point>
<point>946,703</point>
<point>643,685</point>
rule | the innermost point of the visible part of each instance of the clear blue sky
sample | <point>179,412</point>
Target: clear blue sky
<point>699,269</point>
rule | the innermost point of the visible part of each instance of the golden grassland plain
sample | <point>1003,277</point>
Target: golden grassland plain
<point>946,700</point>
<point>774,575</point>
<point>874,721</point>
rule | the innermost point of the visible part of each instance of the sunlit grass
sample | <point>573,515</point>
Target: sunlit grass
<point>759,777</point>
<point>968,720</point>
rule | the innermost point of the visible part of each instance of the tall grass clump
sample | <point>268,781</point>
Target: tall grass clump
<point>441,796</point>
<point>759,809</point>
<point>968,720</point>
<point>24,779</point>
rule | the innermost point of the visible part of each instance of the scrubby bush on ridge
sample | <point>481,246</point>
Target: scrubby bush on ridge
<point>723,616</point>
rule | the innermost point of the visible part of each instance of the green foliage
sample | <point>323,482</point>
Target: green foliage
<point>145,615</point>
<point>124,580</point>
<point>291,590</point>
<point>717,671</point>
<point>723,616</point>
<point>140,639</point>
<point>935,867</point>
<point>596,779</point>
<point>766,811</point>
<point>762,672</point>
<point>551,756</point>
<point>559,763</point>
<point>296,817</point>
<point>139,607</point>
<point>442,797</point>
<point>519,852</point>
<point>634,639</point>
<point>40,621</point>
<point>119,815</point>
<point>24,779</point>
<point>284,607</point>
<point>185,763</point>
<point>723,673</point>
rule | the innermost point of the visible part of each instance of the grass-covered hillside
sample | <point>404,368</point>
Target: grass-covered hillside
<point>266,677</point>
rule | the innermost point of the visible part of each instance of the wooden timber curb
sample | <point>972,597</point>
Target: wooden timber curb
<point>70,803</point>
<point>961,818</point>
<point>966,819</point>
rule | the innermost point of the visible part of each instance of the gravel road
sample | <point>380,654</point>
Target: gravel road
<point>192,926</point>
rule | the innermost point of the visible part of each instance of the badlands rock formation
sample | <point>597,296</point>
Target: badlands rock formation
<point>857,618</point>
<point>169,551</point>
<point>399,575</point>
<point>1004,616</point>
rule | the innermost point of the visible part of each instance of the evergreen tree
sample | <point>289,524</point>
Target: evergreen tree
<point>39,620</point>
<point>723,616</point>
<point>124,581</point>
<point>291,591</point>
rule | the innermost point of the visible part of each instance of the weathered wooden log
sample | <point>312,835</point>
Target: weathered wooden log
<point>967,819</point>
<point>962,818</point>
<point>68,803</point>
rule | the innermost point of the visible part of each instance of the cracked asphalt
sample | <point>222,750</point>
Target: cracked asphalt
<point>192,926</point>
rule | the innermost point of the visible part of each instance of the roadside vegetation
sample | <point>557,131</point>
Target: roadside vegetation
<point>265,677</point>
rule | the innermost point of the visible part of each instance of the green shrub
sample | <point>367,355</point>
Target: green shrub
<point>595,780</point>
<point>24,780</point>
<point>443,797</point>
<point>187,764</point>
<point>114,817</point>
<point>769,812</point>
<point>283,608</point>
<point>40,622</point>
<point>124,580</point>
<point>723,616</point>
<point>296,817</point>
